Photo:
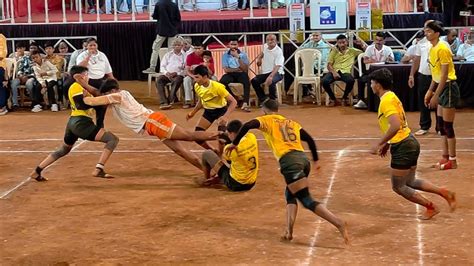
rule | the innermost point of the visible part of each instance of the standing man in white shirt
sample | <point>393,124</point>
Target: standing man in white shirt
<point>99,70</point>
<point>377,52</point>
<point>423,82</point>
<point>271,61</point>
<point>172,68</point>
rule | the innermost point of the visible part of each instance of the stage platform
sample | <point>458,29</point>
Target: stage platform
<point>128,44</point>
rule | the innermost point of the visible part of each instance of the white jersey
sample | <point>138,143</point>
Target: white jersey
<point>128,111</point>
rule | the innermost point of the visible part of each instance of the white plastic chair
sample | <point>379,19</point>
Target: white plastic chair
<point>307,57</point>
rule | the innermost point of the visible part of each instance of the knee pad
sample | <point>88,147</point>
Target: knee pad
<point>401,188</point>
<point>305,198</point>
<point>290,199</point>
<point>111,141</point>
<point>440,122</point>
<point>65,149</point>
<point>449,129</point>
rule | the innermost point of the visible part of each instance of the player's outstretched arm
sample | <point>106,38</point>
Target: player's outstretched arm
<point>103,100</point>
<point>305,136</point>
<point>252,124</point>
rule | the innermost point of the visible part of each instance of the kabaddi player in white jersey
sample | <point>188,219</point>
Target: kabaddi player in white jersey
<point>140,119</point>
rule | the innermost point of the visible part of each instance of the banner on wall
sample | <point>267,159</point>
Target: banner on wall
<point>363,15</point>
<point>297,17</point>
<point>329,14</point>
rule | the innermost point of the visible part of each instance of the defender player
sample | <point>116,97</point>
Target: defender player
<point>284,137</point>
<point>80,125</point>
<point>404,148</point>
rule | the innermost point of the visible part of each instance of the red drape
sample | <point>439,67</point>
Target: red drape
<point>37,6</point>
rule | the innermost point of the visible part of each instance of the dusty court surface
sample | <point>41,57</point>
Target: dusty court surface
<point>154,213</point>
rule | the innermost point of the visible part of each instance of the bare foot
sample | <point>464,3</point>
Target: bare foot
<point>345,234</point>
<point>429,213</point>
<point>286,237</point>
<point>450,197</point>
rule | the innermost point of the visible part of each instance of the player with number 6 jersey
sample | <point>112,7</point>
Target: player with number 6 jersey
<point>284,137</point>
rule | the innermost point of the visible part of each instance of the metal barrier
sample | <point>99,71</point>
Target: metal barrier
<point>8,10</point>
<point>284,39</point>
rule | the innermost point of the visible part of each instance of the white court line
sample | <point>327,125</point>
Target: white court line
<point>325,200</point>
<point>259,139</point>
<point>419,235</point>
<point>200,151</point>
<point>8,192</point>
<point>419,229</point>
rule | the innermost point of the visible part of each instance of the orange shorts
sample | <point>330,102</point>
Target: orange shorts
<point>159,125</point>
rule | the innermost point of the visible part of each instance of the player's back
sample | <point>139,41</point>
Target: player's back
<point>76,90</point>
<point>281,134</point>
<point>244,160</point>
<point>391,105</point>
<point>130,112</point>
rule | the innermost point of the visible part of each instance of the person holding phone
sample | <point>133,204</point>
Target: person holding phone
<point>340,62</point>
<point>236,65</point>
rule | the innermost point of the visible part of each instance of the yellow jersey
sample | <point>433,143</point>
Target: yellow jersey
<point>213,96</point>
<point>440,54</point>
<point>244,160</point>
<point>281,134</point>
<point>391,105</point>
<point>74,90</point>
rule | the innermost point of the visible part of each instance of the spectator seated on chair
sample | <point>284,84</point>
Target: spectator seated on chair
<point>378,52</point>
<point>20,51</point>
<point>466,50</point>
<point>172,70</point>
<point>34,47</point>
<point>271,61</point>
<point>409,56</point>
<point>193,60</point>
<point>58,61</point>
<point>187,46</point>
<point>64,52</point>
<point>452,39</point>
<point>23,75</point>
<point>317,42</point>
<point>236,64</point>
<point>340,63</point>
<point>46,75</point>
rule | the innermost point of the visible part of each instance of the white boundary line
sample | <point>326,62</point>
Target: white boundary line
<point>419,228</point>
<point>419,236</point>
<point>259,139</point>
<point>8,192</point>
<point>325,200</point>
<point>200,151</point>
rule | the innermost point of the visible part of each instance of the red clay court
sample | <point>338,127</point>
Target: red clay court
<point>153,213</point>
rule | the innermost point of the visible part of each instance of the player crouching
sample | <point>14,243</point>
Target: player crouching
<point>238,168</point>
